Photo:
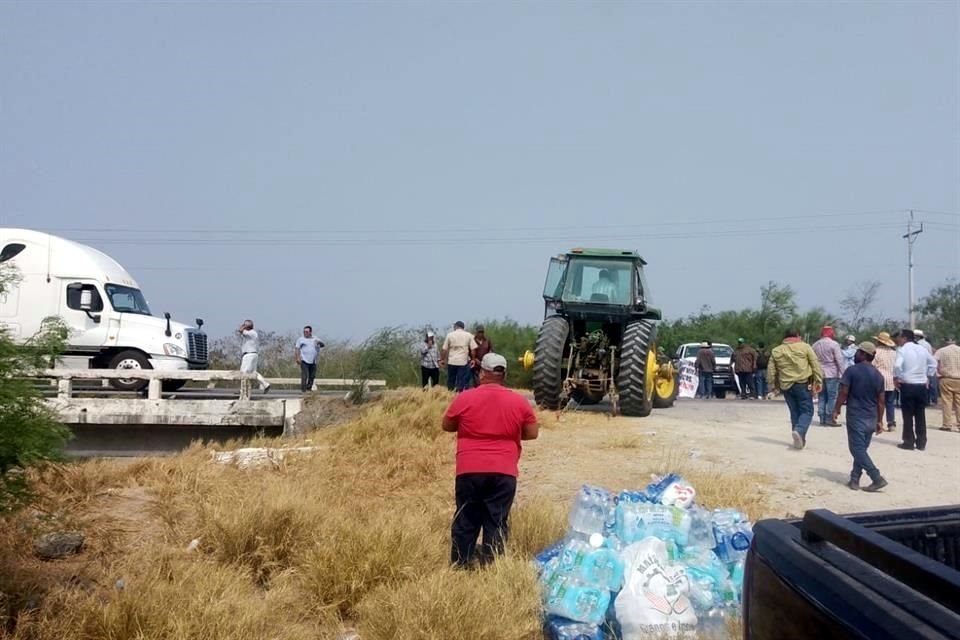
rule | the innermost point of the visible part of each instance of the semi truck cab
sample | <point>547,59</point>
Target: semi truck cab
<point>109,321</point>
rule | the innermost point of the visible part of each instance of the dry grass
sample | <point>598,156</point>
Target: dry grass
<point>624,441</point>
<point>355,533</point>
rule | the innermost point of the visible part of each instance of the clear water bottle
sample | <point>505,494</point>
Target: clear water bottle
<point>701,529</point>
<point>562,629</point>
<point>589,512</point>
<point>579,603</point>
<point>604,568</point>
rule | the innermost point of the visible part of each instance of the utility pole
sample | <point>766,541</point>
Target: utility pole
<point>911,237</point>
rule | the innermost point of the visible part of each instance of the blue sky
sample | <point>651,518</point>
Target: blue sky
<point>361,164</point>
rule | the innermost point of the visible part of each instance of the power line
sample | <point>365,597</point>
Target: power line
<point>460,240</point>
<point>381,231</point>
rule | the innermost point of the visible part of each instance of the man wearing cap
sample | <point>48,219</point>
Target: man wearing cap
<point>745,365</point>
<point>706,364</point>
<point>793,369</point>
<point>429,361</point>
<point>884,360</point>
<point>861,389</point>
<point>948,370</point>
<point>457,347</point>
<point>831,362</point>
<point>849,351</point>
<point>490,422</point>
<point>911,372</point>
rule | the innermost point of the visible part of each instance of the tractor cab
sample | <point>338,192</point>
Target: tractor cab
<point>601,284</point>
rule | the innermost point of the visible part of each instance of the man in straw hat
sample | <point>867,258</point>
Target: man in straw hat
<point>884,360</point>
<point>490,422</point>
<point>861,389</point>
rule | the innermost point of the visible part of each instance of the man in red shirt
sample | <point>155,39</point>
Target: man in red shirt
<point>490,421</point>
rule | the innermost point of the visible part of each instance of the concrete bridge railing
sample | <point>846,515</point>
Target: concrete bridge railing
<point>155,378</point>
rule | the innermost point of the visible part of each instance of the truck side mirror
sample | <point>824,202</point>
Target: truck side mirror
<point>86,298</point>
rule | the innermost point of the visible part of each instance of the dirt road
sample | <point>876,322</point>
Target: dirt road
<point>747,436</point>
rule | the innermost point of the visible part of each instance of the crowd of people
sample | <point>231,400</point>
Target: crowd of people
<point>904,366</point>
<point>461,353</point>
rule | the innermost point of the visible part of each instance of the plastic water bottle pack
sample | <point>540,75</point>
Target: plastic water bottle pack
<point>644,562</point>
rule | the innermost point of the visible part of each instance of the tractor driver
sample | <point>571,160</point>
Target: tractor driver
<point>605,286</point>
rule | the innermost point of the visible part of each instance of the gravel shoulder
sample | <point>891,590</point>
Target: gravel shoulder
<point>752,437</point>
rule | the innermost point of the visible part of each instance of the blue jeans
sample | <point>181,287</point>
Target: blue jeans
<point>890,409</point>
<point>800,403</point>
<point>859,434</point>
<point>458,377</point>
<point>705,390</point>
<point>933,390</point>
<point>761,383</point>
<point>828,398</point>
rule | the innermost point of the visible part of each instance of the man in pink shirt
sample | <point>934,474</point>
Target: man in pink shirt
<point>830,356</point>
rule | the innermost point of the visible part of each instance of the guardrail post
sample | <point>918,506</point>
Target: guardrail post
<point>64,388</point>
<point>153,389</point>
<point>245,388</point>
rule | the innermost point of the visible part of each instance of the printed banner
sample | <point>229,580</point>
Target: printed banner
<point>688,380</point>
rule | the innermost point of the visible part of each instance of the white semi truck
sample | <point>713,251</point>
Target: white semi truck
<point>110,324</point>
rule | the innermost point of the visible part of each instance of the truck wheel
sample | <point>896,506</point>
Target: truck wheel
<point>129,360</point>
<point>638,369</point>
<point>720,394</point>
<point>172,385</point>
<point>548,362</point>
<point>666,387</point>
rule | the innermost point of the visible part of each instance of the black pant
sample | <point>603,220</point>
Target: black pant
<point>913,403</point>
<point>308,371</point>
<point>747,389</point>
<point>483,502</point>
<point>429,376</point>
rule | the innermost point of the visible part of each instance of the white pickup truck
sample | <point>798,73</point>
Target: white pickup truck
<point>109,321</point>
<point>723,378</point>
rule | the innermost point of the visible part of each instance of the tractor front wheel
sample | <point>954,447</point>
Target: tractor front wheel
<point>638,369</point>
<point>548,362</point>
<point>666,387</point>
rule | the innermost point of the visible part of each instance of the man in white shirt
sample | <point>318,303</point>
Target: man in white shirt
<point>933,388</point>
<point>250,352</point>
<point>456,352</point>
<point>306,350</point>
<point>911,372</point>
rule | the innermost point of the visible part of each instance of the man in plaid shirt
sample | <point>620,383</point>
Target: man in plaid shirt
<point>948,371</point>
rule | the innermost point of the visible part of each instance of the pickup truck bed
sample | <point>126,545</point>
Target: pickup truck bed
<point>878,576</point>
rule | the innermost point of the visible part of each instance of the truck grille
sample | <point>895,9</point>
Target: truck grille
<point>197,346</point>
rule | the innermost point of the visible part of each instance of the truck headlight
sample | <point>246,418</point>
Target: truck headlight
<point>172,349</point>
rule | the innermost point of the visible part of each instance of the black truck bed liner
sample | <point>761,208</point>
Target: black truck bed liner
<point>882,575</point>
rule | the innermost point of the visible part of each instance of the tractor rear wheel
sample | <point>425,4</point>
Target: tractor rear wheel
<point>638,369</point>
<point>548,362</point>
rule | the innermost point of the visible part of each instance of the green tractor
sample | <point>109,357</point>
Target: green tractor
<point>599,336</point>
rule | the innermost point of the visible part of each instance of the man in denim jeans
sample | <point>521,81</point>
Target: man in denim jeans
<point>861,388</point>
<point>830,356</point>
<point>706,364</point>
<point>793,368</point>
<point>763,361</point>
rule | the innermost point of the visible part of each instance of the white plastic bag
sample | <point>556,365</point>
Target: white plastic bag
<point>655,597</point>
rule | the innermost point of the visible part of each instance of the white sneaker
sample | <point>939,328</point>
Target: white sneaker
<point>797,440</point>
